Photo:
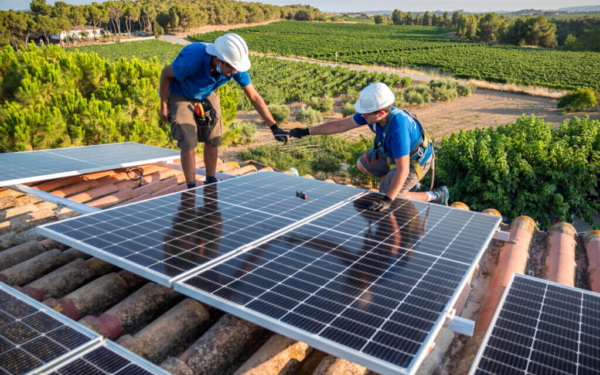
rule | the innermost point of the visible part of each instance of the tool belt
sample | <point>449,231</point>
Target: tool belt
<point>417,154</point>
<point>205,115</point>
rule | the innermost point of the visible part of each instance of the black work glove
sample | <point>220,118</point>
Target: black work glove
<point>299,132</point>
<point>279,134</point>
<point>382,205</point>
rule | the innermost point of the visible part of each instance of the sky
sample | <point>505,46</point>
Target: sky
<point>371,5</point>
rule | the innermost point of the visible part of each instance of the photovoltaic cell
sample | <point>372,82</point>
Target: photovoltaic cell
<point>165,237</point>
<point>542,327</point>
<point>108,358</point>
<point>366,286</point>
<point>31,336</point>
<point>30,166</point>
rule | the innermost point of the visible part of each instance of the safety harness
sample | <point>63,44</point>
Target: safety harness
<point>417,154</point>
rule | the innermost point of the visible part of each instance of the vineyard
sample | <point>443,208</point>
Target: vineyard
<point>278,81</point>
<point>419,46</point>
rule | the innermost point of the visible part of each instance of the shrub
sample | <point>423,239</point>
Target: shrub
<point>348,110</point>
<point>399,94</point>
<point>418,95</point>
<point>325,163</point>
<point>351,96</point>
<point>280,112</point>
<point>578,100</point>
<point>465,89</point>
<point>443,83</point>
<point>309,116</point>
<point>444,94</point>
<point>323,105</point>
<point>406,81</point>
<point>239,133</point>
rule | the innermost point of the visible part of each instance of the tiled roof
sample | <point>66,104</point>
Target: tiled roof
<point>186,337</point>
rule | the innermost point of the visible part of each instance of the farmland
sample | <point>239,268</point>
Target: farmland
<point>419,46</point>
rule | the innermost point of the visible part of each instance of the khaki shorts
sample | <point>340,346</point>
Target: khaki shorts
<point>379,167</point>
<point>183,123</point>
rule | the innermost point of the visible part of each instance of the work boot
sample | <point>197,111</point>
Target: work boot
<point>441,195</point>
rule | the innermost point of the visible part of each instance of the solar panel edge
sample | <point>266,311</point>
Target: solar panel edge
<point>108,344</point>
<point>107,257</point>
<point>7,183</point>
<point>94,337</point>
<point>423,351</point>
<point>288,330</point>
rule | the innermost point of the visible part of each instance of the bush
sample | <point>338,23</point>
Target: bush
<point>280,112</point>
<point>351,96</point>
<point>323,105</point>
<point>325,163</point>
<point>578,100</point>
<point>406,81</point>
<point>348,110</point>
<point>418,95</point>
<point>465,89</point>
<point>309,116</point>
<point>444,94</point>
<point>399,94</point>
<point>443,83</point>
<point>239,133</point>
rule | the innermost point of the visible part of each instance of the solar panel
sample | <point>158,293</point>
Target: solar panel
<point>167,237</point>
<point>370,287</point>
<point>108,358</point>
<point>542,327</point>
<point>32,336</point>
<point>31,166</point>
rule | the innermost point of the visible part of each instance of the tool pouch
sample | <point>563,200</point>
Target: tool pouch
<point>206,123</point>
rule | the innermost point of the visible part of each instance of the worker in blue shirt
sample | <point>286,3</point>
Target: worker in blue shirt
<point>189,99</point>
<point>402,151</point>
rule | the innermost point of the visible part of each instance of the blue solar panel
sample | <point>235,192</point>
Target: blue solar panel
<point>542,327</point>
<point>369,287</point>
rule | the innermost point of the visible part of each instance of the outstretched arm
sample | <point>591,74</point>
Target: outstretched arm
<point>259,104</point>
<point>332,127</point>
<point>165,82</point>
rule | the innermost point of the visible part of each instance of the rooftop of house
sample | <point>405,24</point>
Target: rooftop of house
<point>187,337</point>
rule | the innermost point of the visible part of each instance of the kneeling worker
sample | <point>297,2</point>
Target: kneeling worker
<point>402,150</point>
<point>190,102</point>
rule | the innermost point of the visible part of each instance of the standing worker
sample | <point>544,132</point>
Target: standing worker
<point>190,102</point>
<point>402,151</point>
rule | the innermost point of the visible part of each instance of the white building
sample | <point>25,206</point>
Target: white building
<point>79,31</point>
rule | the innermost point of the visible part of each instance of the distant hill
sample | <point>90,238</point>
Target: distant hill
<point>587,8</point>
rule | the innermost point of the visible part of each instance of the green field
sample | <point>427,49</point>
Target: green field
<point>278,81</point>
<point>360,20</point>
<point>419,46</point>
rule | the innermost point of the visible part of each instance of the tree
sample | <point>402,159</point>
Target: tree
<point>418,19</point>
<point>380,20</point>
<point>489,27</point>
<point>541,32</point>
<point>40,7</point>
<point>408,20</point>
<point>47,26</point>
<point>456,16</point>
<point>132,14</point>
<point>95,15</point>
<point>147,15</point>
<point>427,19</point>
<point>77,16</point>
<point>163,19</point>
<point>16,24</point>
<point>397,17</point>
<point>435,20</point>
<point>114,13</point>
<point>61,10</point>
<point>326,163</point>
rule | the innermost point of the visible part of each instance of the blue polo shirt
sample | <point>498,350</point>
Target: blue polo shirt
<point>403,136</point>
<point>193,78</point>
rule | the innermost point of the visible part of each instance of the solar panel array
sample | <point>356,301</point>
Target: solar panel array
<point>30,166</point>
<point>109,358</point>
<point>166,237</point>
<point>542,327</point>
<point>32,336</point>
<point>367,286</point>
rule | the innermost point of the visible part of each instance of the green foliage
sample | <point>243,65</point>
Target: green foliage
<point>418,95</point>
<point>239,133</point>
<point>578,100</point>
<point>525,168</point>
<point>280,112</point>
<point>465,89</point>
<point>406,82</point>
<point>351,96</point>
<point>323,105</point>
<point>399,94</point>
<point>325,163</point>
<point>309,116</point>
<point>348,110</point>
<point>443,90</point>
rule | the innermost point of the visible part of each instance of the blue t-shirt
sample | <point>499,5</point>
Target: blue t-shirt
<point>193,78</point>
<point>403,136</point>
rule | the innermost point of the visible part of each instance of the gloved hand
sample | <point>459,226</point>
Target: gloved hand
<point>382,205</point>
<point>279,134</point>
<point>299,132</point>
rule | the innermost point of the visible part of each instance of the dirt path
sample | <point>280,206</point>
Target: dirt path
<point>484,108</point>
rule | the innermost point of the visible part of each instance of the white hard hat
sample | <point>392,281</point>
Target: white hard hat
<point>374,97</point>
<point>232,49</point>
